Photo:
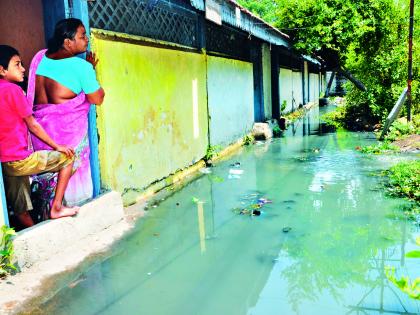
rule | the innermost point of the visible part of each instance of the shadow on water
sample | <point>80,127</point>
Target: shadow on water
<point>320,247</point>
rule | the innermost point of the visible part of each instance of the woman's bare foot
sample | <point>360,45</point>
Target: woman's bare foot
<point>63,212</point>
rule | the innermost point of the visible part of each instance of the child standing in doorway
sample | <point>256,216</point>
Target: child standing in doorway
<point>16,155</point>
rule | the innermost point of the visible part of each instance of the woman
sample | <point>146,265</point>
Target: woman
<point>62,86</point>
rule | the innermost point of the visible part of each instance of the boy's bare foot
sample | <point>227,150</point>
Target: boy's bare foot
<point>63,212</point>
<point>25,219</point>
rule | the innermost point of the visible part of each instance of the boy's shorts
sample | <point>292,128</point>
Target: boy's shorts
<point>16,176</point>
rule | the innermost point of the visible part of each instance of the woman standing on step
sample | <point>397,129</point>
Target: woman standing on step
<point>61,88</point>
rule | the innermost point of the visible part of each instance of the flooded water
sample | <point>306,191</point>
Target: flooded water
<point>320,247</point>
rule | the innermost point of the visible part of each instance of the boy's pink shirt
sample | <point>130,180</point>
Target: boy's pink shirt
<point>14,132</point>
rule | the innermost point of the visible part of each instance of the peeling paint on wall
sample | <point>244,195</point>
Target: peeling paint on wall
<point>231,99</point>
<point>154,118</point>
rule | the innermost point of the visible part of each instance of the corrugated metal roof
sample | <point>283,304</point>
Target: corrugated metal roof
<point>237,16</point>
<point>310,59</point>
<point>198,4</point>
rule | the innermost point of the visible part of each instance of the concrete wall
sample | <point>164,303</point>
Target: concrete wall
<point>286,88</point>
<point>297,87</point>
<point>306,76</point>
<point>154,118</point>
<point>230,99</point>
<point>22,26</point>
<point>314,87</point>
<point>266,65</point>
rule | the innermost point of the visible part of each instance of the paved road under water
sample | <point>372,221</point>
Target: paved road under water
<point>320,247</point>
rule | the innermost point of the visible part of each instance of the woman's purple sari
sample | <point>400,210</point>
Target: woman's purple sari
<point>67,124</point>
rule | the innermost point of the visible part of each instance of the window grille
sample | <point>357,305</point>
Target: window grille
<point>166,20</point>
<point>226,41</point>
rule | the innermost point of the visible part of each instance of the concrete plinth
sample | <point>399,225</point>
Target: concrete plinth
<point>41,242</point>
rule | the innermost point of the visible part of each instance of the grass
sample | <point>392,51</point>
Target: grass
<point>336,118</point>
<point>292,116</point>
<point>379,148</point>
<point>6,251</point>
<point>404,180</point>
<point>248,139</point>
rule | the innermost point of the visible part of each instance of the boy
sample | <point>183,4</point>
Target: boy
<point>18,159</point>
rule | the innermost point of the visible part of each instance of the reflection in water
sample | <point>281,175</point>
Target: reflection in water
<point>320,248</point>
<point>201,227</point>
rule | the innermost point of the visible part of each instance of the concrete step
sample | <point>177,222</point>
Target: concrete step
<point>41,242</point>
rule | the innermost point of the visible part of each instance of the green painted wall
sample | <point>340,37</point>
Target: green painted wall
<point>154,118</point>
<point>266,65</point>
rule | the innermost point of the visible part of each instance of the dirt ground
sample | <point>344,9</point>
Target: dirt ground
<point>409,144</point>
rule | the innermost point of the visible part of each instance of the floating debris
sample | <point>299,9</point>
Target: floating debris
<point>301,158</point>
<point>74,283</point>
<point>236,164</point>
<point>216,179</point>
<point>286,229</point>
<point>205,170</point>
<point>255,203</point>
<point>289,201</point>
<point>177,203</point>
<point>236,171</point>
<point>263,201</point>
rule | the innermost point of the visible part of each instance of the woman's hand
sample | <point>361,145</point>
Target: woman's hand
<point>91,58</point>
<point>69,152</point>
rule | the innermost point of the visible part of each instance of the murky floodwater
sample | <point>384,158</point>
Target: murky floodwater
<point>320,247</point>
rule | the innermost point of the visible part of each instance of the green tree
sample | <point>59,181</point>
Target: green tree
<point>369,38</point>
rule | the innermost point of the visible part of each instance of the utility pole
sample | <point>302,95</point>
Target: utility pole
<point>410,60</point>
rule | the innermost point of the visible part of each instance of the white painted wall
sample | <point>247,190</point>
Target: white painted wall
<point>314,83</point>
<point>286,88</point>
<point>230,99</point>
<point>306,76</point>
<point>266,67</point>
<point>297,88</point>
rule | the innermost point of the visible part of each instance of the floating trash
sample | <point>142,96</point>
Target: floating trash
<point>236,172</point>
<point>286,229</point>
<point>205,170</point>
<point>289,201</point>
<point>263,201</point>
<point>216,179</point>
<point>236,164</point>
<point>255,203</point>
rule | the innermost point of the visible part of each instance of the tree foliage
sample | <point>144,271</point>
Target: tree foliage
<point>368,37</point>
